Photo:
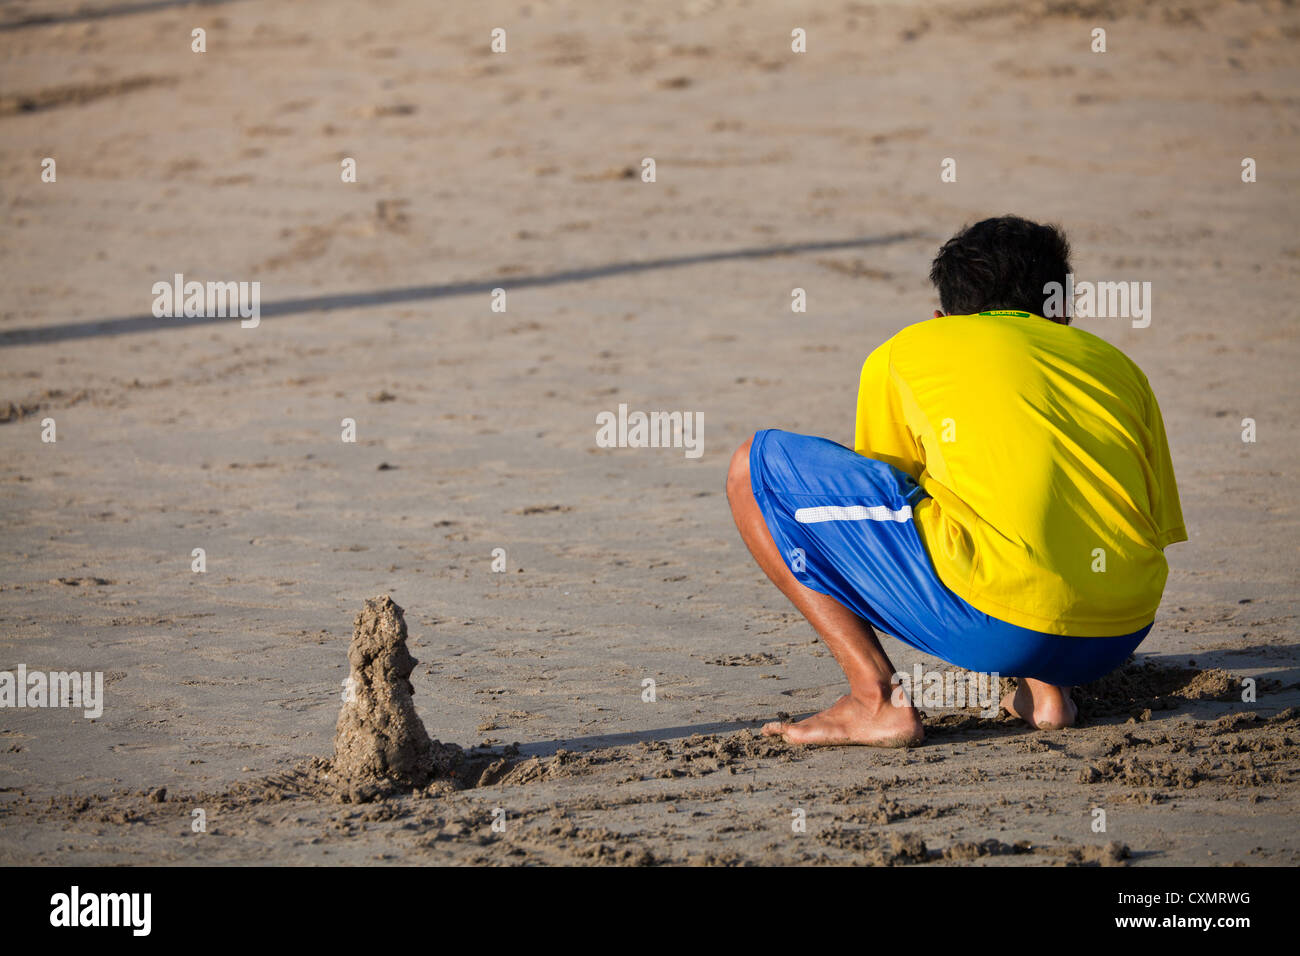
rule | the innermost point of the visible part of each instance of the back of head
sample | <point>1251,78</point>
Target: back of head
<point>1001,263</point>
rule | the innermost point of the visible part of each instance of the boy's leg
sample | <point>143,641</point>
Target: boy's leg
<point>866,715</point>
<point>1040,704</point>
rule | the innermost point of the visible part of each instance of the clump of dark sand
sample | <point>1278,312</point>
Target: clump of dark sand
<point>379,738</point>
<point>1137,689</point>
<point>1215,684</point>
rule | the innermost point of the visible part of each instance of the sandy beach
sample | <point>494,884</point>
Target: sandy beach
<point>475,416</point>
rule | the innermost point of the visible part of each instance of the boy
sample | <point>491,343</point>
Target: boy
<point>1005,508</point>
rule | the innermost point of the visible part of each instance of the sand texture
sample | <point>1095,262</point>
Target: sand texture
<point>597,648</point>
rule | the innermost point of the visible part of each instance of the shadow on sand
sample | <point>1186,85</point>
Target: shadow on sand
<point>127,325</point>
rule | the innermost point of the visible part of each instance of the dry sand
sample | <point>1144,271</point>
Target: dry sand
<point>476,429</point>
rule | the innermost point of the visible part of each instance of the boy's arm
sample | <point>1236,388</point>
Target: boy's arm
<point>881,431</point>
<point>1166,510</point>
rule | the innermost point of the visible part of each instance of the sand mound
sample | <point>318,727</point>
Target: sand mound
<point>1150,686</point>
<point>1215,684</point>
<point>379,737</point>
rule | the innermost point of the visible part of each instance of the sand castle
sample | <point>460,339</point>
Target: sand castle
<point>379,737</point>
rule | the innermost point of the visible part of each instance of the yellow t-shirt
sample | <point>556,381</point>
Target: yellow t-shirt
<point>1052,494</point>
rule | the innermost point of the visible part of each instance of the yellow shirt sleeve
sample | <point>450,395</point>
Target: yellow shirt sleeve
<point>881,431</point>
<point>1166,510</point>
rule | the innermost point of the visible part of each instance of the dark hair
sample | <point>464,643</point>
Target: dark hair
<point>1001,263</point>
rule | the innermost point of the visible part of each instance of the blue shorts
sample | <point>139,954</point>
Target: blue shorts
<point>843,524</point>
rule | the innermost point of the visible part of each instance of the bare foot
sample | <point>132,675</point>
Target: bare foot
<point>850,721</point>
<point>1041,705</point>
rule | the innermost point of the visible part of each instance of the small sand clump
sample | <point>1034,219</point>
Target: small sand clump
<point>1213,684</point>
<point>379,738</point>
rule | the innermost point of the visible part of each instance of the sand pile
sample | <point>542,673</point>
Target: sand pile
<point>379,737</point>
<point>1136,689</point>
<point>1215,684</point>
